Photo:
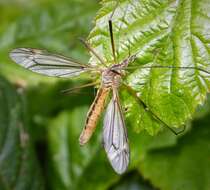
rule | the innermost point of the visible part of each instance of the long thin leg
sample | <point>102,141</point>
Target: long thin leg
<point>130,90</point>
<point>162,66</point>
<point>67,91</point>
<point>111,34</point>
<point>88,46</point>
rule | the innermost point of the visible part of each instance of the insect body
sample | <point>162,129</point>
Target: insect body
<point>115,138</point>
<point>114,131</point>
<point>109,80</point>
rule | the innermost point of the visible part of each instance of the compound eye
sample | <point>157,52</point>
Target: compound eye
<point>116,72</point>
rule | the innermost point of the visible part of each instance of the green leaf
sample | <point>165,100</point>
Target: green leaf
<point>166,33</point>
<point>18,166</point>
<point>184,166</point>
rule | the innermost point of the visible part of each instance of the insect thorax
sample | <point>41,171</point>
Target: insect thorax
<point>111,78</point>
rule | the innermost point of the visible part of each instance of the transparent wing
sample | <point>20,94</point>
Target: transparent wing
<point>43,62</point>
<point>115,136</point>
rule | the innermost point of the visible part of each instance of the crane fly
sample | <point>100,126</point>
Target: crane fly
<point>115,137</point>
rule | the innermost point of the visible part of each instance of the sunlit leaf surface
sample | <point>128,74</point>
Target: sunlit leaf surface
<point>167,33</point>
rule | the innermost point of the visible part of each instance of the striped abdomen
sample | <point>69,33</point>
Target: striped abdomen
<point>93,115</point>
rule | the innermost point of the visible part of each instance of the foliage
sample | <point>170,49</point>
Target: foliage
<point>166,33</point>
<point>19,168</point>
<point>40,126</point>
<point>189,161</point>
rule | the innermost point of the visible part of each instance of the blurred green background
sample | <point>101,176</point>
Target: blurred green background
<point>39,126</point>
